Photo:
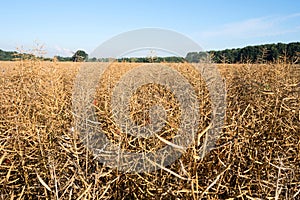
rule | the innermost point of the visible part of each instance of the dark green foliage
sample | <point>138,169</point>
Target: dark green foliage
<point>265,53</point>
<point>13,55</point>
<point>6,55</point>
<point>63,59</point>
<point>80,56</point>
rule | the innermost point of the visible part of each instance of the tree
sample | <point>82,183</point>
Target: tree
<point>80,56</point>
<point>94,59</point>
<point>273,54</point>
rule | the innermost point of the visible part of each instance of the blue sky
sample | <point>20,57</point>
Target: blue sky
<point>67,25</point>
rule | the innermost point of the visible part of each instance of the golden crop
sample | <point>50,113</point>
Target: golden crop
<point>257,153</point>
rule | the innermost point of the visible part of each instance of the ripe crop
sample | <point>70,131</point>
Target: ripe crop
<point>42,155</point>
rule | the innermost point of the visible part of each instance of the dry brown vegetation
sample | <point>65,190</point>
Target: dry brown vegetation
<point>257,154</point>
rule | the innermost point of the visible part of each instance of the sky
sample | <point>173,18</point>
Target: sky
<point>64,26</point>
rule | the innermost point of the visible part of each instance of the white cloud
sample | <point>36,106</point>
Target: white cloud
<point>294,15</point>
<point>57,50</point>
<point>255,27</point>
<point>63,51</point>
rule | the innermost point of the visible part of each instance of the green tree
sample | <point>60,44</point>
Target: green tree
<point>293,50</point>
<point>80,56</point>
<point>273,54</point>
<point>92,59</point>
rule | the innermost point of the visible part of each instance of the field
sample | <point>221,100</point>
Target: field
<point>256,157</point>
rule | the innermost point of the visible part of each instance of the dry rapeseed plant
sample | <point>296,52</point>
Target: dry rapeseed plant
<point>257,154</point>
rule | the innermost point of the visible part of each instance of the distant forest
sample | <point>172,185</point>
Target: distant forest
<point>252,54</point>
<point>266,53</point>
<point>14,55</point>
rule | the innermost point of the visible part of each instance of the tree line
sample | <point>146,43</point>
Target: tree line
<point>265,53</point>
<point>79,56</point>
